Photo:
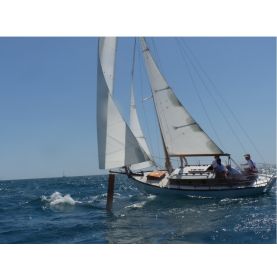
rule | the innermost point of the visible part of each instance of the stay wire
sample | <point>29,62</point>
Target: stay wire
<point>216,103</point>
<point>157,61</point>
<point>199,97</point>
<point>225,103</point>
<point>156,58</point>
<point>145,114</point>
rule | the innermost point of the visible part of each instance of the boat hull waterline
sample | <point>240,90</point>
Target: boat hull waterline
<point>262,185</point>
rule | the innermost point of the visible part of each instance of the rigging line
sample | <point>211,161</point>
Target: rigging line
<point>158,126</point>
<point>236,164</point>
<point>134,59</point>
<point>216,103</point>
<point>199,97</point>
<point>225,103</point>
<point>163,158</point>
<point>145,114</point>
<point>132,73</point>
<point>159,66</point>
<point>158,60</point>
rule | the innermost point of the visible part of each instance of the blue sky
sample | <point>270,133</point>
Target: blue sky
<point>48,98</point>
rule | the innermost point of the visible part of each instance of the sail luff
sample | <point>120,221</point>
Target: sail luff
<point>135,123</point>
<point>167,163</point>
<point>106,55</point>
<point>182,135</point>
<point>105,79</point>
<point>137,131</point>
<point>117,146</point>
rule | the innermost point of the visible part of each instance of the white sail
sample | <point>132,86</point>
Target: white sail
<point>181,133</point>
<point>117,146</point>
<point>137,131</point>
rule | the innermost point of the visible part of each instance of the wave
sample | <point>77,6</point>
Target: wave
<point>151,197</point>
<point>59,201</point>
<point>136,205</point>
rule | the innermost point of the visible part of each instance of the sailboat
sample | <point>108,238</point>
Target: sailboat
<point>124,147</point>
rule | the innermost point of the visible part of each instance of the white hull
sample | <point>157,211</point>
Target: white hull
<point>262,185</point>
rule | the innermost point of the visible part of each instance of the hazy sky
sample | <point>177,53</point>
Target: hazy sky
<point>48,98</point>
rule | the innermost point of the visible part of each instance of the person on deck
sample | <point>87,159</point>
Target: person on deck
<point>232,172</point>
<point>218,167</point>
<point>250,165</point>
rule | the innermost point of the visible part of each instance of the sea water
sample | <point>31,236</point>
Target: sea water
<point>72,210</point>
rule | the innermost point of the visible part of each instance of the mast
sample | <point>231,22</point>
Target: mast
<point>168,164</point>
<point>135,124</point>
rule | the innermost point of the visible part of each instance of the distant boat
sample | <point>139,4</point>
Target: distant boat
<point>123,146</point>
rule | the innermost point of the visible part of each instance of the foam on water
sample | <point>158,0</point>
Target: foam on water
<point>136,205</point>
<point>151,197</point>
<point>73,210</point>
<point>59,201</point>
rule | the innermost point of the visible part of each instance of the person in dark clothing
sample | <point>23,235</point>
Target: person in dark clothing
<point>218,167</point>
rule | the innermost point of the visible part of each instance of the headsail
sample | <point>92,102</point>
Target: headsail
<point>135,124</point>
<point>117,146</point>
<point>181,133</point>
<point>137,131</point>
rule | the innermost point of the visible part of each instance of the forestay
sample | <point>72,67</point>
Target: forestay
<point>181,133</point>
<point>117,146</point>
<point>137,131</point>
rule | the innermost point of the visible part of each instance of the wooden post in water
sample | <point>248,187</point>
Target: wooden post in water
<point>110,192</point>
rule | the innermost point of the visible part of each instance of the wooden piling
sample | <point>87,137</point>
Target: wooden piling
<point>110,192</point>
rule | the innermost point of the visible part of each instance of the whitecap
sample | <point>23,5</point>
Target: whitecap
<point>65,200</point>
<point>151,197</point>
<point>59,201</point>
<point>136,205</point>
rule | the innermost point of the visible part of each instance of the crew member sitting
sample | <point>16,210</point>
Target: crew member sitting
<point>218,168</point>
<point>250,165</point>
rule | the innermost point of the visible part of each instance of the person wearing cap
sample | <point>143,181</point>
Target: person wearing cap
<point>250,165</point>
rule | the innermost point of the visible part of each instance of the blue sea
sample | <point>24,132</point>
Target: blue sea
<point>72,210</point>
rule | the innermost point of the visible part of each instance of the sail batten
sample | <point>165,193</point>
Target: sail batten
<point>117,146</point>
<point>181,133</point>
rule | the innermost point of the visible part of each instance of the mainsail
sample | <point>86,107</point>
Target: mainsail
<point>182,135</point>
<point>117,146</point>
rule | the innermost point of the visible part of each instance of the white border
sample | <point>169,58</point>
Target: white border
<point>138,17</point>
<point>123,18</point>
<point>137,262</point>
